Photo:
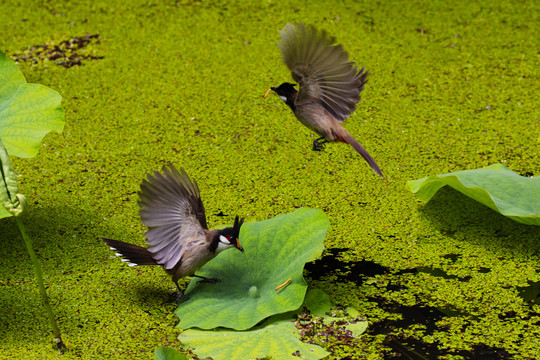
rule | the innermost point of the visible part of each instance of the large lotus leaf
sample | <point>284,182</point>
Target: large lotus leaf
<point>27,111</point>
<point>275,251</point>
<point>167,353</point>
<point>276,337</point>
<point>495,186</point>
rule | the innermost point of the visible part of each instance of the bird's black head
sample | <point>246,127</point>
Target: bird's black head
<point>285,91</point>
<point>228,237</point>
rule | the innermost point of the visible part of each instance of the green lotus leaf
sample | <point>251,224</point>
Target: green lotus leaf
<point>27,111</point>
<point>275,251</point>
<point>495,186</point>
<point>277,337</point>
<point>167,353</point>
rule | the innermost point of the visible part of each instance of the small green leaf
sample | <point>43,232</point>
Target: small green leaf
<point>275,250</point>
<point>276,337</point>
<point>495,186</point>
<point>357,328</point>
<point>27,111</point>
<point>318,302</point>
<point>167,353</point>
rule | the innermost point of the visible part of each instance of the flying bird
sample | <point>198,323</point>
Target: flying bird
<point>178,238</point>
<point>329,85</point>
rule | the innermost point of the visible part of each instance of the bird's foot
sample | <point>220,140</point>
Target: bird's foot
<point>179,297</point>
<point>318,144</point>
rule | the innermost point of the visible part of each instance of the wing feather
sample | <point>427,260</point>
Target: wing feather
<point>171,207</point>
<point>322,69</point>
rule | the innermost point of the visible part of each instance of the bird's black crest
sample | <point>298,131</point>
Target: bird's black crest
<point>231,233</point>
<point>236,227</point>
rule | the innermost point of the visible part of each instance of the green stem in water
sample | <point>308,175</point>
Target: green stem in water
<point>37,269</point>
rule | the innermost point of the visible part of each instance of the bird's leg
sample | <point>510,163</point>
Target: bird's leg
<point>180,296</point>
<point>318,144</point>
<point>207,280</point>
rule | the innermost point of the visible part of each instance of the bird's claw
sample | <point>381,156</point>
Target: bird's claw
<point>318,145</point>
<point>179,297</point>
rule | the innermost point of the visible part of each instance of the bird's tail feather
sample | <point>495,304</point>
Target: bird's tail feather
<point>349,139</point>
<point>132,254</point>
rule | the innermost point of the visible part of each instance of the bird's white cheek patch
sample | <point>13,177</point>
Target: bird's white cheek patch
<point>223,240</point>
<point>223,246</point>
<point>283,98</point>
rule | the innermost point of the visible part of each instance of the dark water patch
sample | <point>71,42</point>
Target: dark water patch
<point>410,347</point>
<point>408,350</point>
<point>414,349</point>
<point>411,316</point>
<point>507,315</point>
<point>483,352</point>
<point>511,314</point>
<point>407,347</point>
<point>452,257</point>
<point>531,293</point>
<point>427,316</point>
<point>352,271</point>
<point>355,271</point>
<point>436,272</point>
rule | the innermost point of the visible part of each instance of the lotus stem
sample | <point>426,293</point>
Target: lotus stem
<point>37,269</point>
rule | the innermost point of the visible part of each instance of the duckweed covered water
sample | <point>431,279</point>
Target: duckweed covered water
<point>451,87</point>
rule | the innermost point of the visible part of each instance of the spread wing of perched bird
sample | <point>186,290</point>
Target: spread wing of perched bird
<point>178,237</point>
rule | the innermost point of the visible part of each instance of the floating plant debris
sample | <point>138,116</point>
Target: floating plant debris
<point>67,53</point>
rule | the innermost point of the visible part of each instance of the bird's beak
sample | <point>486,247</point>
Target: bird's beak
<point>268,92</point>
<point>239,246</point>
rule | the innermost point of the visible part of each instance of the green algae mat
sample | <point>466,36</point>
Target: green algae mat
<point>451,87</point>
